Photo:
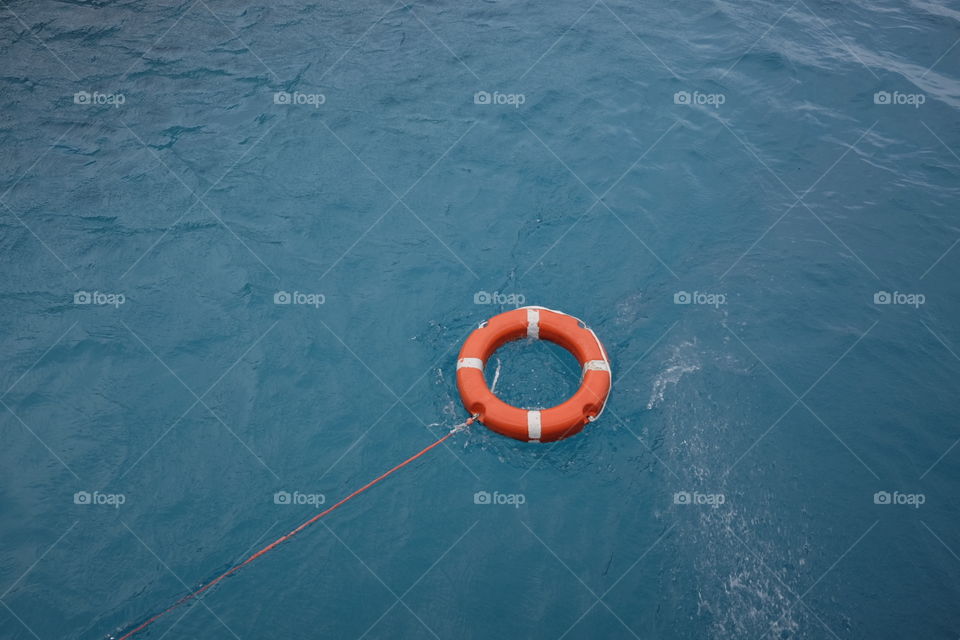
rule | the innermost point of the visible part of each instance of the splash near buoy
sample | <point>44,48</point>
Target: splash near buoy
<point>555,423</point>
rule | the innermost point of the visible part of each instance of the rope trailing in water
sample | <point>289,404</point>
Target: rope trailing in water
<point>192,595</point>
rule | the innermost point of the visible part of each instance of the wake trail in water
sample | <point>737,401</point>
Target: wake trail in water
<point>736,561</point>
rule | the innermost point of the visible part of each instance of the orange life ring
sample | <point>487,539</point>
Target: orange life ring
<point>557,422</point>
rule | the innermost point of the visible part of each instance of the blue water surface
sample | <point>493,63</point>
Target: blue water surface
<point>243,243</point>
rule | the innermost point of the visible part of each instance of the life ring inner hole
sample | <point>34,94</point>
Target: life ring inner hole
<point>534,374</point>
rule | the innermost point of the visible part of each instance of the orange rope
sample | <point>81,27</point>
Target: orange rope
<point>284,538</point>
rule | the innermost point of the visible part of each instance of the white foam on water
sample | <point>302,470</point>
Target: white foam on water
<point>737,560</point>
<point>744,587</point>
<point>496,377</point>
<point>684,360</point>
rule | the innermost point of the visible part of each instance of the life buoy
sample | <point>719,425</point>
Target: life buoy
<point>545,425</point>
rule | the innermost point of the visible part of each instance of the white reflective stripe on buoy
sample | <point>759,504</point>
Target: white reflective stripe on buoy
<point>596,365</point>
<point>533,426</point>
<point>471,363</point>
<point>533,323</point>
